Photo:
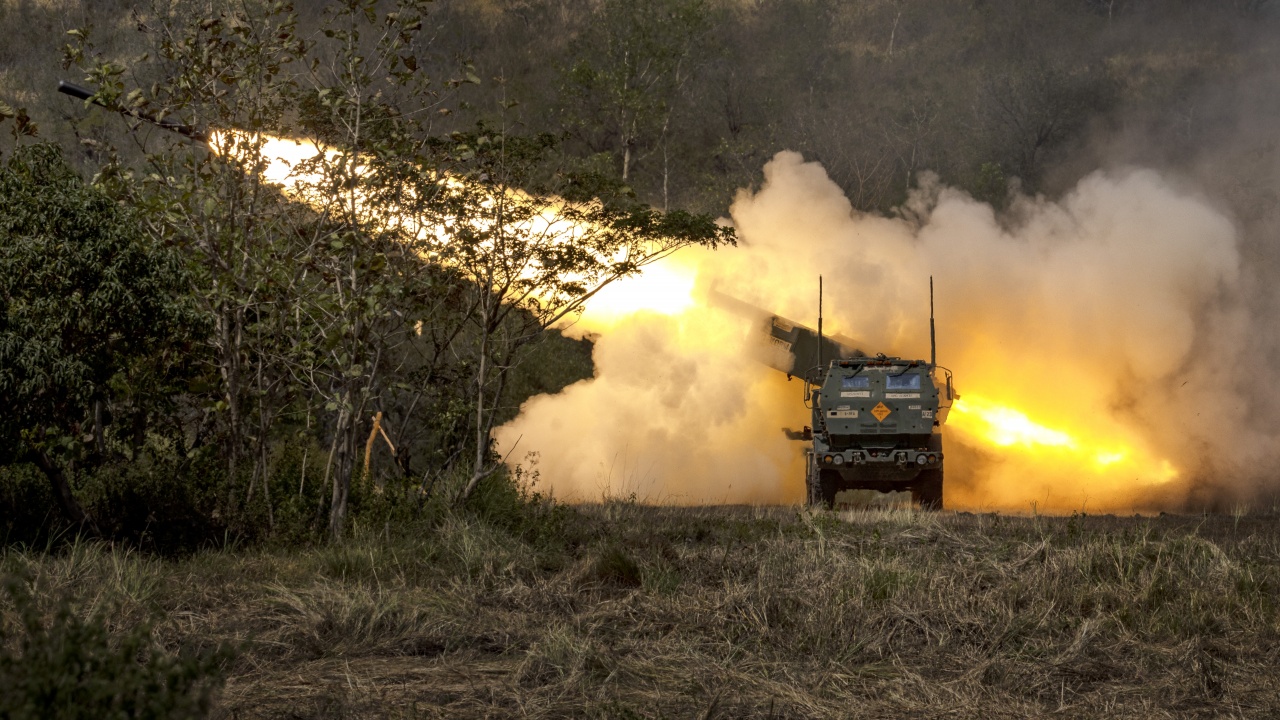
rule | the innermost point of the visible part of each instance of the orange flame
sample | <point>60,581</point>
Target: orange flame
<point>665,288</point>
<point>1009,430</point>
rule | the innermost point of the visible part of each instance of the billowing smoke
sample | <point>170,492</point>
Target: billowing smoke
<point>1097,342</point>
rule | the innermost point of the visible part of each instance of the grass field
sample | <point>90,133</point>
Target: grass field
<point>622,610</point>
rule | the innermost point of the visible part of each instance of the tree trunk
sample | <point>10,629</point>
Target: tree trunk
<point>894,32</point>
<point>98,446</point>
<point>342,477</point>
<point>666,165</point>
<point>264,459</point>
<point>497,370</point>
<point>482,446</point>
<point>229,367</point>
<point>262,464</point>
<point>62,493</point>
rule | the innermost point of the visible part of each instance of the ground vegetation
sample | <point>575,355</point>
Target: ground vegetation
<point>520,609</point>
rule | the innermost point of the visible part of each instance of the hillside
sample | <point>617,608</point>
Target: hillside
<point>878,91</point>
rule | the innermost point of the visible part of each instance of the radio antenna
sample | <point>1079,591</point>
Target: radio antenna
<point>820,368</point>
<point>933,338</point>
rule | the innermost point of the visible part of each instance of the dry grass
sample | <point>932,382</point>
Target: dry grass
<point>728,612</point>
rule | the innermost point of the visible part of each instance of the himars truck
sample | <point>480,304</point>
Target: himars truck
<point>876,420</point>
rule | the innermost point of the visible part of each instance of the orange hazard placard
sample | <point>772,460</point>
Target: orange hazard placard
<point>881,411</point>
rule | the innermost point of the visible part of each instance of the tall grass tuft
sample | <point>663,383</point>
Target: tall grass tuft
<point>69,667</point>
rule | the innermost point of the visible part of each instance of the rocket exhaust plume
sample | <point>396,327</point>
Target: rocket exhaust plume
<point>1093,341</point>
<point>1087,337</point>
<point>1096,341</point>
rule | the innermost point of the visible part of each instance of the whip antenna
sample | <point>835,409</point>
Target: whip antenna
<point>933,339</point>
<point>820,368</point>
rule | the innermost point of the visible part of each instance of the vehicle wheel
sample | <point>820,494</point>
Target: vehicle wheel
<point>829,485</point>
<point>927,490</point>
<point>812,489</point>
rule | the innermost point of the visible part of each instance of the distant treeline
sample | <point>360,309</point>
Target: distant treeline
<point>686,99</point>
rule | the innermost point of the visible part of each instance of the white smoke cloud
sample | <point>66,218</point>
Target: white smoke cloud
<point>1109,314</point>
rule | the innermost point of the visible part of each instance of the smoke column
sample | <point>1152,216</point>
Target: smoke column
<point>1104,328</point>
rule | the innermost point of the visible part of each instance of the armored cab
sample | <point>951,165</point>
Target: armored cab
<point>877,426</point>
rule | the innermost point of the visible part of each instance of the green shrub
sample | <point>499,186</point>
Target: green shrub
<point>74,668</point>
<point>505,502</point>
<point>28,514</point>
<point>156,503</point>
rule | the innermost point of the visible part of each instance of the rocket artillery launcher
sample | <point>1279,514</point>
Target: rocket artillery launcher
<point>876,421</point>
<point>790,347</point>
<point>84,93</point>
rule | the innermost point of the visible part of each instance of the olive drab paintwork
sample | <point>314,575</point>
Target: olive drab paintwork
<point>876,421</point>
<point>877,426</point>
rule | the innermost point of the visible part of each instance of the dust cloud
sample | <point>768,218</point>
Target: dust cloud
<point>1097,341</point>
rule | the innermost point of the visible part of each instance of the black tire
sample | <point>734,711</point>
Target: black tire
<point>812,491</point>
<point>829,485</point>
<point>927,490</point>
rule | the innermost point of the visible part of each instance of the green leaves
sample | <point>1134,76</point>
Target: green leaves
<point>22,124</point>
<point>512,190</point>
<point>83,295</point>
<point>621,83</point>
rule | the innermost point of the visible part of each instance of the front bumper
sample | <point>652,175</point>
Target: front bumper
<point>918,459</point>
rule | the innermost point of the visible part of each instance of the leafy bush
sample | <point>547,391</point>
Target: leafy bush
<point>94,323</point>
<point>74,668</point>
<point>156,502</point>
<point>27,511</point>
<point>506,502</point>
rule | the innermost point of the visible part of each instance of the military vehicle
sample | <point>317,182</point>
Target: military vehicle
<point>876,420</point>
<point>877,424</point>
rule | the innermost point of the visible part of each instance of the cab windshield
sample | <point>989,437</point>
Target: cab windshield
<point>902,382</point>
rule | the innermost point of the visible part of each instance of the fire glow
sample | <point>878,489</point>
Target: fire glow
<point>1009,429</point>
<point>675,397</point>
<point>666,287</point>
